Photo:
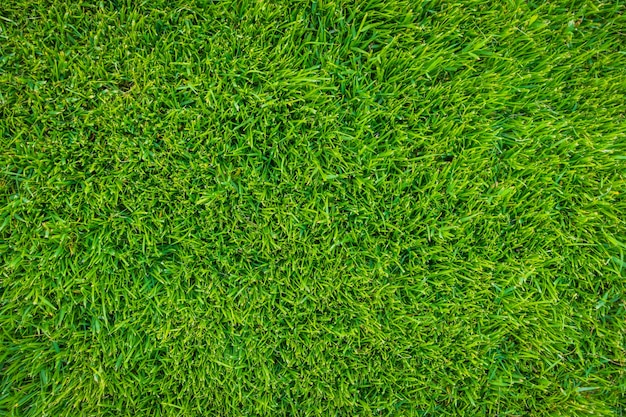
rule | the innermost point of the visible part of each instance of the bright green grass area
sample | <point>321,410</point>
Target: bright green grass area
<point>312,208</point>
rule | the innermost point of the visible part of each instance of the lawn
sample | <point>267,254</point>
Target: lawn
<point>312,208</point>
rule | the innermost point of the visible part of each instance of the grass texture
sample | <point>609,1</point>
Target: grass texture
<point>312,208</point>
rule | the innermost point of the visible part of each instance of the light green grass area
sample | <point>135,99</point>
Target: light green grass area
<point>312,208</point>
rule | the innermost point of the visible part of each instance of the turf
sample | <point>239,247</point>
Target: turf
<point>312,208</point>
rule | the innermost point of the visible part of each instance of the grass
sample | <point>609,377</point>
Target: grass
<point>312,208</point>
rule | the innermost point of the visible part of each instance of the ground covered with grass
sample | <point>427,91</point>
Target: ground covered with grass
<point>312,208</point>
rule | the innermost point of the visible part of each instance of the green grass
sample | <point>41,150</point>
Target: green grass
<point>312,208</point>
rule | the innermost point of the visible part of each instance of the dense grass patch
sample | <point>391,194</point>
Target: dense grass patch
<point>311,208</point>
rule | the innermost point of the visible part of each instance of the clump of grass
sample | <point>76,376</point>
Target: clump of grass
<point>312,208</point>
